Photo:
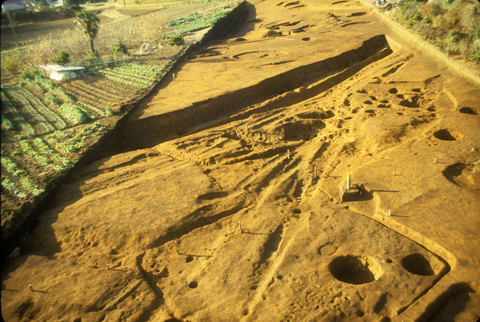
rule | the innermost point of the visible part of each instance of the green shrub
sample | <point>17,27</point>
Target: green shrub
<point>418,16</point>
<point>51,98</point>
<point>176,40</point>
<point>63,58</point>
<point>7,123</point>
<point>27,74</point>
<point>109,111</point>
<point>11,64</point>
<point>475,57</point>
<point>119,47</point>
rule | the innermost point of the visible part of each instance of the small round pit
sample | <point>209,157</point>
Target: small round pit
<point>417,264</point>
<point>468,110</point>
<point>447,135</point>
<point>353,269</point>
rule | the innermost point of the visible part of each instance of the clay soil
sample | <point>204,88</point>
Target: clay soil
<point>227,205</point>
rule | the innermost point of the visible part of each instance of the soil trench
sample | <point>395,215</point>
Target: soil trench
<point>226,204</point>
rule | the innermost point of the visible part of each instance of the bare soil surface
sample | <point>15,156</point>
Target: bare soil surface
<point>228,205</point>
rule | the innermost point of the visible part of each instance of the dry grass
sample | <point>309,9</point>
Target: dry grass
<point>132,32</point>
<point>453,27</point>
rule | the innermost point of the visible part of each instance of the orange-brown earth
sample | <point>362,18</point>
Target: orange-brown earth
<point>228,207</point>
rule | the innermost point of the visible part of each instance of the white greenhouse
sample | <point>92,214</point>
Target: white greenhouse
<point>60,73</point>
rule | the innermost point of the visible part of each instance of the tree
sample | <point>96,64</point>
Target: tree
<point>88,21</point>
<point>119,47</point>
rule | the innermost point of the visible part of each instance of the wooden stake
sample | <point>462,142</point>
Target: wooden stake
<point>288,153</point>
<point>176,247</point>
<point>30,286</point>
<point>240,226</point>
<point>349,179</point>
<point>435,160</point>
<point>108,267</point>
<point>314,172</point>
<point>173,74</point>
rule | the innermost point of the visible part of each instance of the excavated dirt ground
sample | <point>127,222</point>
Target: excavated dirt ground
<point>228,206</point>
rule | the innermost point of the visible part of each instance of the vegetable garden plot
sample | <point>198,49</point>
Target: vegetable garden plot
<point>41,124</point>
<point>54,118</point>
<point>51,155</point>
<point>98,94</point>
<point>118,90</point>
<point>97,90</point>
<point>17,183</point>
<point>16,117</point>
<point>84,96</point>
<point>133,75</point>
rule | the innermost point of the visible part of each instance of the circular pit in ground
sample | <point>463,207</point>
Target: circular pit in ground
<point>448,135</point>
<point>417,264</point>
<point>353,269</point>
<point>468,110</point>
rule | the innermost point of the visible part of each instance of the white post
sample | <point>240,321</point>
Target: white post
<point>349,179</point>
<point>246,128</point>
<point>288,153</point>
<point>435,160</point>
<point>176,247</point>
<point>240,225</point>
<point>315,172</point>
<point>108,267</point>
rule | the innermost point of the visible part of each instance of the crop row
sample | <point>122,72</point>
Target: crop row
<point>199,21</point>
<point>121,80</point>
<point>43,153</point>
<point>17,117</point>
<point>143,70</point>
<point>11,166</point>
<point>130,73</point>
<point>91,107</point>
<point>43,122</point>
<point>9,185</point>
<point>73,113</point>
<point>99,90</point>
<point>130,77</point>
<point>56,119</point>
<point>12,187</point>
<point>45,149</point>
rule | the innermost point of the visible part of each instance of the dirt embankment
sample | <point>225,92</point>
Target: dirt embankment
<point>239,216</point>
